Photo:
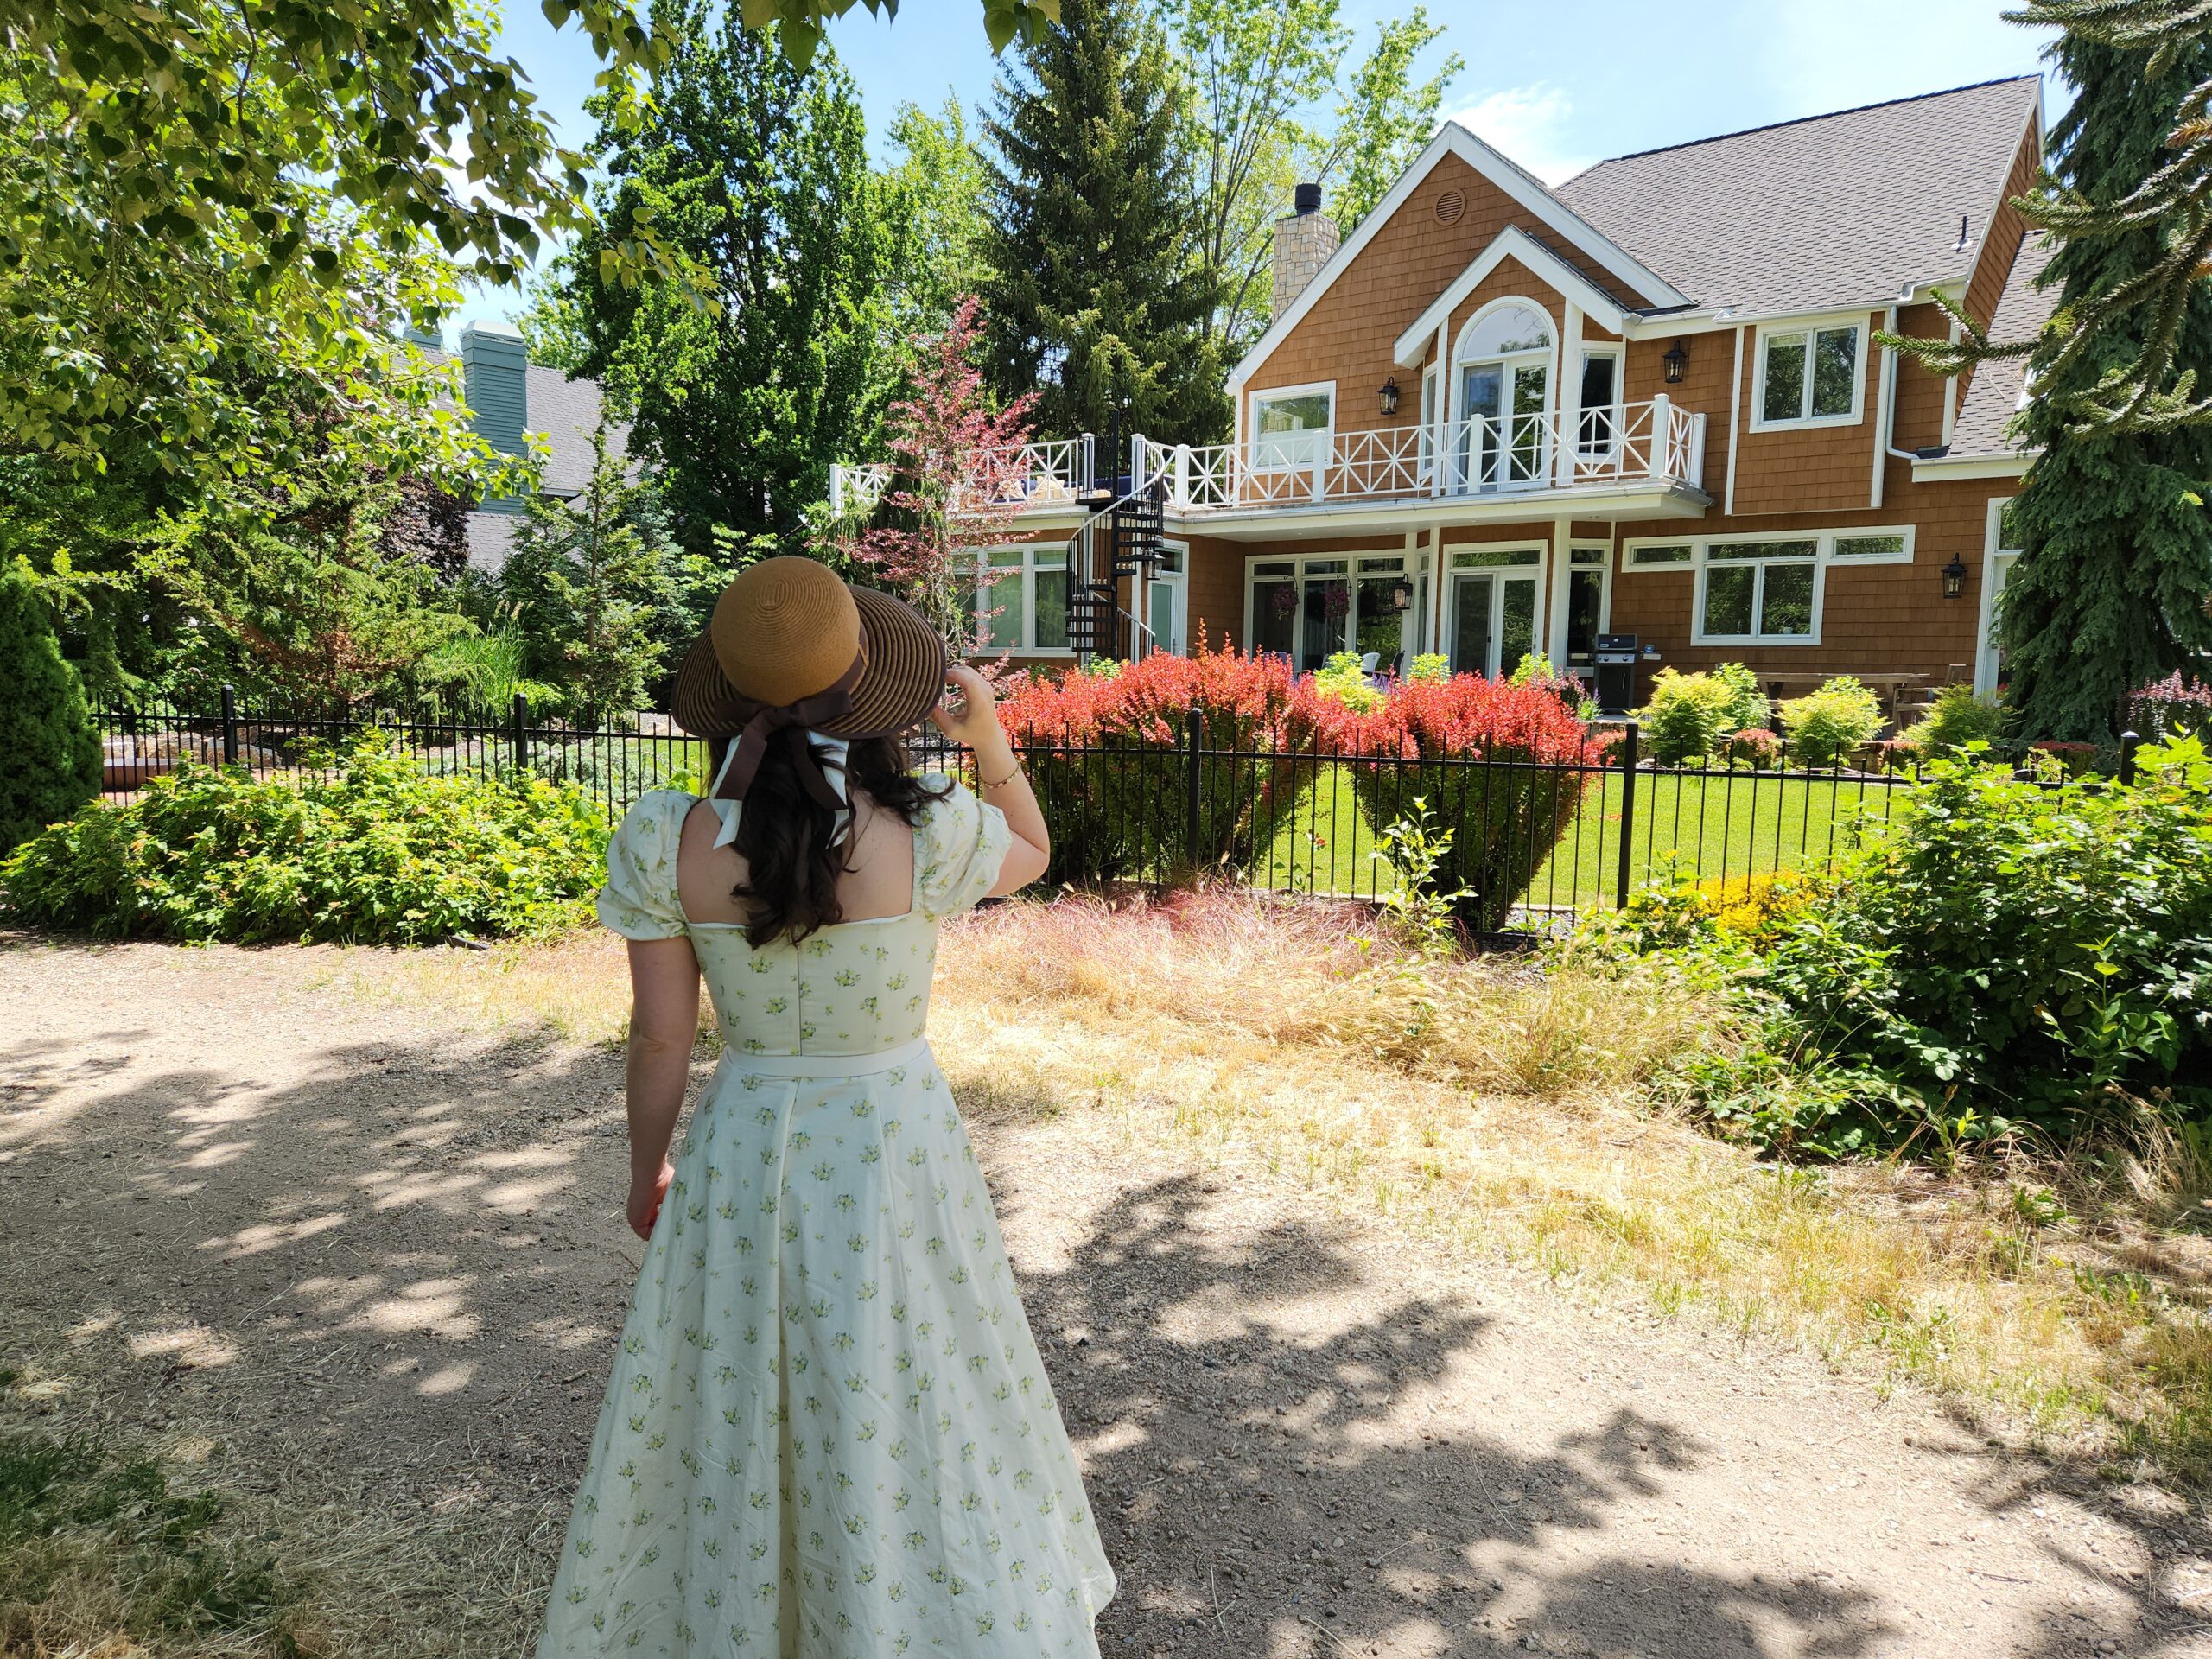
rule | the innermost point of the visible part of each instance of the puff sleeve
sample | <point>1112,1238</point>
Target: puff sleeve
<point>638,900</point>
<point>962,844</point>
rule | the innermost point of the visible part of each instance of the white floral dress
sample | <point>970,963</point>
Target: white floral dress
<point>828,1435</point>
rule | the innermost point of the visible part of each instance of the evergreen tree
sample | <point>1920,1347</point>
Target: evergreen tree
<point>49,754</point>
<point>2110,591</point>
<point>1096,301</point>
<point>757,171</point>
<point>586,582</point>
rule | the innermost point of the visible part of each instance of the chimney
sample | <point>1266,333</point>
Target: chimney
<point>1304,242</point>
<point>431,340</point>
<point>493,365</point>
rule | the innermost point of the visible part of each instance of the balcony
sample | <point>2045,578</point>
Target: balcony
<point>1651,455</point>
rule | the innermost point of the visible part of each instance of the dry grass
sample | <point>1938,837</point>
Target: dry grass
<point>1513,1111</point>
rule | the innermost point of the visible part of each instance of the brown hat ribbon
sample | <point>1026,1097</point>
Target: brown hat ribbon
<point>744,762</point>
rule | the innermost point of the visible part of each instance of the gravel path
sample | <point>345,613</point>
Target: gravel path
<point>377,1261</point>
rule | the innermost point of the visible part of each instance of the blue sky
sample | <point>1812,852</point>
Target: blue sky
<point>1556,86</point>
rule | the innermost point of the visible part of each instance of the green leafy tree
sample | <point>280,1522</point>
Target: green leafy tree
<point>1095,302</point>
<point>587,580</point>
<point>2115,570</point>
<point>49,755</point>
<point>933,205</point>
<point>756,171</point>
<point>1277,95</point>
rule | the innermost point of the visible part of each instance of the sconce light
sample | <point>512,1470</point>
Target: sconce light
<point>1390,396</point>
<point>1954,578</point>
<point>1677,359</point>
<point>1401,597</point>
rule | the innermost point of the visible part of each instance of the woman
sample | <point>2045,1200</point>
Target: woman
<point>828,1435</point>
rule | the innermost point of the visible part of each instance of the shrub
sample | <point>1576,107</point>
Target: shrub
<point>1535,670</point>
<point>1342,678</point>
<point>1686,717</point>
<point>1956,718</point>
<point>2174,705</point>
<point>1755,746</point>
<point>2074,759</point>
<point>1747,704</point>
<point>2009,957</point>
<point>1503,820</point>
<point>1433,667</point>
<point>1101,751</point>
<point>374,853</point>
<point>1826,726</point>
<point>49,754</point>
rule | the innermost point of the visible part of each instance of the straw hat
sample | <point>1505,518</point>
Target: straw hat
<point>790,643</point>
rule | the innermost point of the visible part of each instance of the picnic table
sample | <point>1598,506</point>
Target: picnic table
<point>1886,688</point>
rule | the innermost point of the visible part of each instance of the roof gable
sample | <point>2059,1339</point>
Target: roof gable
<point>1523,188</point>
<point>1853,207</point>
<point>1515,244</point>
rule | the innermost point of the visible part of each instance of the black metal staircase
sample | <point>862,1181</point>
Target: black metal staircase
<point>1118,542</point>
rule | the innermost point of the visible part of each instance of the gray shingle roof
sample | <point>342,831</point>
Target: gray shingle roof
<point>1994,395</point>
<point>566,412</point>
<point>1837,209</point>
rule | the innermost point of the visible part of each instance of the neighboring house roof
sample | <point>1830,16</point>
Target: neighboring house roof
<point>1832,210</point>
<point>567,411</point>
<point>1995,393</point>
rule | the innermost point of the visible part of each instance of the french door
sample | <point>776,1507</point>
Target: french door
<point>1501,443</point>
<point>1493,620</point>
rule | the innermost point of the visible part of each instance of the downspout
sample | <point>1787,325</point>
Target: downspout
<point>1890,405</point>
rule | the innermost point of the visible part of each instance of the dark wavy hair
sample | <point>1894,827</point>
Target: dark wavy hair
<point>783,834</point>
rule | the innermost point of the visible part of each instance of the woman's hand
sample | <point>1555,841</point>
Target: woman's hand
<point>645,1196</point>
<point>976,726</point>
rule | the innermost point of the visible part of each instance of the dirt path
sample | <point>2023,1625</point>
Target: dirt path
<point>372,1263</point>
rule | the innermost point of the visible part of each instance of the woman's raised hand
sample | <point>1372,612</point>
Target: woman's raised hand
<point>976,724</point>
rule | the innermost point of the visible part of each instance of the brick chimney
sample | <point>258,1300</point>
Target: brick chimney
<point>1304,242</point>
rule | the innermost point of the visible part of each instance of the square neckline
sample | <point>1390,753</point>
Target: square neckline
<point>913,884</point>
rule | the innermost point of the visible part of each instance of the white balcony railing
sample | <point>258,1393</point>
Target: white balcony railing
<point>1052,473</point>
<point>1640,444</point>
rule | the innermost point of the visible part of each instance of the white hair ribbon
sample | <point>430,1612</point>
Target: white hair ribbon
<point>829,757</point>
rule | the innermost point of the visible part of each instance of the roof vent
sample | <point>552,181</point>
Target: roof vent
<point>1450,206</point>
<point>1962,248</point>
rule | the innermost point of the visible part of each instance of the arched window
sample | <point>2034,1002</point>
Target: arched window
<point>1506,330</point>
<point>1504,371</point>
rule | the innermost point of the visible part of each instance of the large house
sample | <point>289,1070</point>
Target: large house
<point>1504,418</point>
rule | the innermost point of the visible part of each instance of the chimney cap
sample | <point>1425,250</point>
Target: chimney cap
<point>1307,197</point>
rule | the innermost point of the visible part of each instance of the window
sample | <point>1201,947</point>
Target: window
<point>1808,375</point>
<point>1163,600</point>
<point>1758,590</point>
<point>1478,558</point>
<point>1586,604</point>
<point>1655,555</point>
<point>1290,428</point>
<point>1021,598</point>
<point>1308,610</point>
<point>1600,389</point>
<point>1889,546</point>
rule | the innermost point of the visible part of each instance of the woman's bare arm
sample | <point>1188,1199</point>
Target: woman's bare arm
<point>664,1027</point>
<point>1000,780</point>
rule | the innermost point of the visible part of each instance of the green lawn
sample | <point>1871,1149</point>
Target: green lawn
<point>1712,827</point>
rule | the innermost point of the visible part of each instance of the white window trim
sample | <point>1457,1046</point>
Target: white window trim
<point>1178,583</point>
<point>1993,548</point>
<point>1447,598</point>
<point>1415,565</point>
<point>1028,647</point>
<point>1824,560</point>
<point>1699,637</point>
<point>1810,326</point>
<point>1587,350</point>
<point>1260,395</point>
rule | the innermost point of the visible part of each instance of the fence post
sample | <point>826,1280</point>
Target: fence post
<point>230,726</point>
<point>1630,731</point>
<point>521,732</point>
<point>1195,730</point>
<point>2129,743</point>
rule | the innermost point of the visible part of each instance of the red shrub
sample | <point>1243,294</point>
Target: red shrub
<point>1757,747</point>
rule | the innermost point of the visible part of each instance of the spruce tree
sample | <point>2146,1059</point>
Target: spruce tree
<point>1097,301</point>
<point>2116,565</point>
<point>49,754</point>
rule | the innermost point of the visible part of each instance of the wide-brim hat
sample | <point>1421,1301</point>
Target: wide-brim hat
<point>791,643</point>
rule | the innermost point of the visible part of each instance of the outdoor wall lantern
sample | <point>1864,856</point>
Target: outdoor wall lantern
<point>1390,396</point>
<point>1401,597</point>
<point>1955,578</point>
<point>1676,360</point>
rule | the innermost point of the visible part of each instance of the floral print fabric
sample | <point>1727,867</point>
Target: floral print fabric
<point>828,1434</point>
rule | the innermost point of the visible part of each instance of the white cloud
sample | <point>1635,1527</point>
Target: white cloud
<point>1530,125</point>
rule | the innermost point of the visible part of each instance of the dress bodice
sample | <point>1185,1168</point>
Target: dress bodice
<point>853,987</point>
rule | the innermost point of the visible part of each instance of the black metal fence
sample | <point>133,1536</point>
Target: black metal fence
<point>1531,842</point>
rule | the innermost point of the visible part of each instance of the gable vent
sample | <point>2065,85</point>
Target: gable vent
<point>1450,206</point>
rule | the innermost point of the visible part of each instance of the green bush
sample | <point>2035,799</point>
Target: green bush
<point>49,754</point>
<point>1430,668</point>
<point>1825,727</point>
<point>1956,718</point>
<point>1342,678</point>
<point>375,854</point>
<point>1687,717</point>
<point>2009,957</point>
<point>1747,704</point>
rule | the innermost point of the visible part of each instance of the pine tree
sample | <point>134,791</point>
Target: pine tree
<point>2116,567</point>
<point>1096,301</point>
<point>49,754</point>
<point>757,170</point>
